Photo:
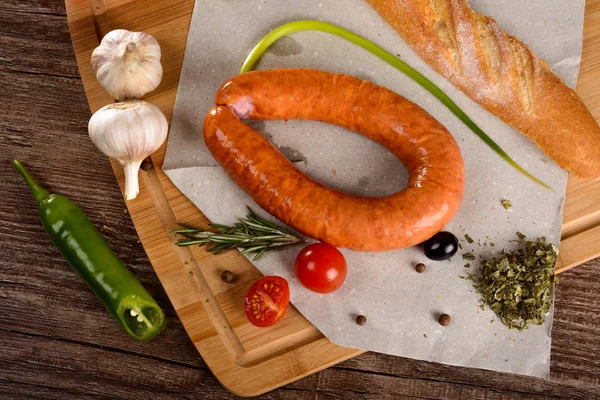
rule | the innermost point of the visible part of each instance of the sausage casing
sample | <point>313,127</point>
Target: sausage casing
<point>428,151</point>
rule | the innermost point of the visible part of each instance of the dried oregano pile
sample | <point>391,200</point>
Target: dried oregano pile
<point>517,286</point>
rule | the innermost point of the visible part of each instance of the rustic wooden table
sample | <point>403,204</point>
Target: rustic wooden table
<point>57,341</point>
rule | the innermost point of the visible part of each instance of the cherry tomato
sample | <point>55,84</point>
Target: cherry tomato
<point>267,300</point>
<point>320,267</point>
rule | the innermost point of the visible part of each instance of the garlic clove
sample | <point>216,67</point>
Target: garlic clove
<point>127,64</point>
<point>129,132</point>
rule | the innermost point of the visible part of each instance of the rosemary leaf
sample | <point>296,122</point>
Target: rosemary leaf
<point>187,226</point>
<point>259,254</point>
<point>191,242</point>
<point>184,231</point>
<point>254,249</point>
<point>251,235</point>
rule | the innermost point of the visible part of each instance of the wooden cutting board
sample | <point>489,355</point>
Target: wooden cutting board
<point>248,360</point>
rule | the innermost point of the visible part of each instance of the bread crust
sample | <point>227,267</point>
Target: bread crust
<point>502,74</point>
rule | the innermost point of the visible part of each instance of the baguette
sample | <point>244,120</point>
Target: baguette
<point>502,74</point>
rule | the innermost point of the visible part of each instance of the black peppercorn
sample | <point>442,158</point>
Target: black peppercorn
<point>444,320</point>
<point>227,276</point>
<point>361,320</point>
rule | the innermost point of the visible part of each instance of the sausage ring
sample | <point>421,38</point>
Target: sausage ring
<point>427,150</point>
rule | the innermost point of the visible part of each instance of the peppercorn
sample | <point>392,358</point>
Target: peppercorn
<point>444,320</point>
<point>227,276</point>
<point>420,268</point>
<point>361,320</point>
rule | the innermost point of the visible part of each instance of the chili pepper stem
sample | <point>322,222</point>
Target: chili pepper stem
<point>39,193</point>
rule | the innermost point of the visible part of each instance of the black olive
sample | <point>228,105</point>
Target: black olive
<point>441,246</point>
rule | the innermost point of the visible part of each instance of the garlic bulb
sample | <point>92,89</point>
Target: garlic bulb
<point>129,132</point>
<point>127,64</point>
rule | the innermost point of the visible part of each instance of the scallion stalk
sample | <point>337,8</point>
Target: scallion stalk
<point>313,25</point>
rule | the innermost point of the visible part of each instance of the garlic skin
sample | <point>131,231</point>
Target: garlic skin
<point>129,132</point>
<point>127,64</point>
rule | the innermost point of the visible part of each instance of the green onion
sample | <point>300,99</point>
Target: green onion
<point>313,25</point>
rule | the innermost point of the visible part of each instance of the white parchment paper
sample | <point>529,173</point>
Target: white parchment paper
<point>401,305</point>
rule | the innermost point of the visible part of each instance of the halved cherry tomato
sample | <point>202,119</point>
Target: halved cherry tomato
<point>267,300</point>
<point>321,268</point>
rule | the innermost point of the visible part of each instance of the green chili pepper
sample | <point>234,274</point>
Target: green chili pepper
<point>86,251</point>
<point>313,25</point>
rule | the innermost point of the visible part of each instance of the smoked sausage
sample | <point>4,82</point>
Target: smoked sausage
<point>428,151</point>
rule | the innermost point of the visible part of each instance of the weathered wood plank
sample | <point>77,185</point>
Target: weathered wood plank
<point>36,43</point>
<point>84,370</point>
<point>374,384</point>
<point>576,332</point>
<point>21,391</point>
<point>454,378</point>
<point>56,7</point>
<point>33,359</point>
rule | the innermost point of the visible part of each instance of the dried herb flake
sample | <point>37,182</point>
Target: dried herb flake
<point>518,286</point>
<point>506,204</point>
<point>468,239</point>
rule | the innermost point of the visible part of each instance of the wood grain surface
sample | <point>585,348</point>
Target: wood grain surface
<point>57,341</point>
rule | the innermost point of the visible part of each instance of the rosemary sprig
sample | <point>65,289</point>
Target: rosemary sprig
<point>252,235</point>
